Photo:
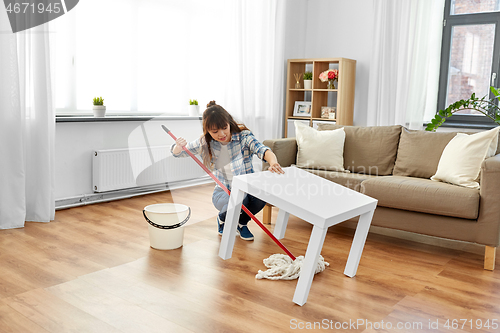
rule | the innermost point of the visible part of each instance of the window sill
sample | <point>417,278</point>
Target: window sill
<point>468,125</point>
<point>108,118</point>
<point>475,122</point>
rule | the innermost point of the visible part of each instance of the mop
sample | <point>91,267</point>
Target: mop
<point>280,267</point>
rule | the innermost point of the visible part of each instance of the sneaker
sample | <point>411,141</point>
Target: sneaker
<point>220,225</point>
<point>244,232</point>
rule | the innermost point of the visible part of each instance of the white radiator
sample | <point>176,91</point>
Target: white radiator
<point>117,169</point>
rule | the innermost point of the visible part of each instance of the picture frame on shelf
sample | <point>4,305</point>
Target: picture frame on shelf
<point>328,112</point>
<point>302,109</point>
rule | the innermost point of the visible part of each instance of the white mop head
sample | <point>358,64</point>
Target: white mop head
<point>282,267</point>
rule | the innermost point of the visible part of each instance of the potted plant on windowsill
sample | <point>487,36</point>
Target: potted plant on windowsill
<point>193,108</point>
<point>308,80</point>
<point>488,107</point>
<point>99,108</point>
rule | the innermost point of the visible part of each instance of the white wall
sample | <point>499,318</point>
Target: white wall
<point>75,143</point>
<point>334,28</point>
<point>295,29</point>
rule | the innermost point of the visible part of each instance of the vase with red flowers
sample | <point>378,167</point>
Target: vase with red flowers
<point>330,76</point>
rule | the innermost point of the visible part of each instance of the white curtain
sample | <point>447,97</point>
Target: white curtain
<point>404,70</point>
<point>255,95</point>
<point>27,126</point>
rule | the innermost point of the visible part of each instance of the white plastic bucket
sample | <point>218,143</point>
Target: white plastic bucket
<point>166,222</point>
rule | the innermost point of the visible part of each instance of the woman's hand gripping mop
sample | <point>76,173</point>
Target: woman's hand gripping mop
<point>280,267</point>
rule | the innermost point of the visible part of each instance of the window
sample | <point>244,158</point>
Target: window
<point>144,57</point>
<point>469,56</point>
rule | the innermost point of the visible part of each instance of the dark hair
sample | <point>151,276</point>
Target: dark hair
<point>215,117</point>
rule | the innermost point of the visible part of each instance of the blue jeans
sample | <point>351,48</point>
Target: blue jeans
<point>220,199</point>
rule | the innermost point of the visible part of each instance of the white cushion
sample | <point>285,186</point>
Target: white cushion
<point>319,149</point>
<point>461,160</point>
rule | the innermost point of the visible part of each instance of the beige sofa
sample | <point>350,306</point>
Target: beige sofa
<point>394,165</point>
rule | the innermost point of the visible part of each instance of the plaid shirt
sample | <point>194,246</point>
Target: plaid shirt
<point>241,149</point>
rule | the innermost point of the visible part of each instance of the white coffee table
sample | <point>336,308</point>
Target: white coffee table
<point>312,199</point>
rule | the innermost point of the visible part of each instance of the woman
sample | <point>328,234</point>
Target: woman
<point>227,149</point>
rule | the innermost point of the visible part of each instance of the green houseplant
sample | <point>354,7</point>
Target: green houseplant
<point>193,108</point>
<point>98,108</point>
<point>488,107</point>
<point>308,80</point>
<point>98,101</point>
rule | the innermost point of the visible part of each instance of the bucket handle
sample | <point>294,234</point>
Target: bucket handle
<point>173,226</point>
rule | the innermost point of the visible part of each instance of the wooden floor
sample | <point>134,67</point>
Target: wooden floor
<point>92,270</point>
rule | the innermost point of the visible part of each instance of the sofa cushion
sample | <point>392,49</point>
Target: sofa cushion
<point>419,152</point>
<point>323,150</point>
<point>423,195</point>
<point>284,149</point>
<point>369,150</point>
<point>350,180</point>
<point>462,157</point>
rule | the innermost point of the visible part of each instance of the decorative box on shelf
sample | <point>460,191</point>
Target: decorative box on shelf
<point>328,112</point>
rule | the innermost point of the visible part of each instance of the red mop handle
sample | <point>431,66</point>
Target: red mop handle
<point>229,193</point>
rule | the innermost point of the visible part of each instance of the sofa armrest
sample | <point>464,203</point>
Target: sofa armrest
<point>284,149</point>
<point>489,207</point>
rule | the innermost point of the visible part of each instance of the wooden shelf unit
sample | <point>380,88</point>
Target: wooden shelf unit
<point>319,94</point>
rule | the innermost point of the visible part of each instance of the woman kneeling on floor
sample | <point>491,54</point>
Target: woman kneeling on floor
<point>227,149</point>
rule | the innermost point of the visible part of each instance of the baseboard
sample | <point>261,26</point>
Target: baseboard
<point>87,199</point>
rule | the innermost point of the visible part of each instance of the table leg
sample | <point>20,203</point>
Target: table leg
<point>358,243</point>
<point>310,262</point>
<point>232,218</point>
<point>281,223</point>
